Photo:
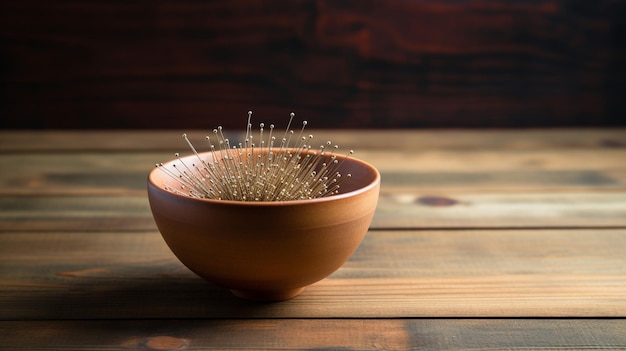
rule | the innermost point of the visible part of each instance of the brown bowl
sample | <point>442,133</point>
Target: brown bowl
<point>266,251</point>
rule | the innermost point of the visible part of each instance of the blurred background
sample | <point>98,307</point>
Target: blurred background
<point>110,64</point>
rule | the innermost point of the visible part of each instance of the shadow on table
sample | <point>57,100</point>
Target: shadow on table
<point>185,296</point>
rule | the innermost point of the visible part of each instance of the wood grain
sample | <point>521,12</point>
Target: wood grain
<point>170,140</point>
<point>493,273</point>
<point>503,170</point>
<point>398,210</point>
<point>482,240</point>
<point>319,334</point>
<point>480,179</point>
<point>350,64</point>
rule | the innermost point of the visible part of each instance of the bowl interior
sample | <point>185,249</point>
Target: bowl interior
<point>357,175</point>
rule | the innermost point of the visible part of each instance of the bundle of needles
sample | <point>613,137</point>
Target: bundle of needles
<point>259,171</point>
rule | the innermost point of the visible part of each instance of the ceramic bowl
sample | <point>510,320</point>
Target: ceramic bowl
<point>266,251</point>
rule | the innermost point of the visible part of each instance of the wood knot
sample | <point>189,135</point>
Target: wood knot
<point>610,143</point>
<point>436,201</point>
<point>164,343</point>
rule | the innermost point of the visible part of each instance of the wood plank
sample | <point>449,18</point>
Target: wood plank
<point>317,334</point>
<point>494,273</point>
<point>22,141</point>
<point>118,182</point>
<point>395,211</point>
<point>515,170</point>
<point>75,213</point>
<point>523,210</point>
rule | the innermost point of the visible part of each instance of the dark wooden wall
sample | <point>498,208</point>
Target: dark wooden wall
<point>346,64</point>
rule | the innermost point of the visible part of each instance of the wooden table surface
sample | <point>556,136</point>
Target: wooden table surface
<point>481,240</point>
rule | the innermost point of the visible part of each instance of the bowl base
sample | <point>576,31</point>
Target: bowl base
<point>267,296</point>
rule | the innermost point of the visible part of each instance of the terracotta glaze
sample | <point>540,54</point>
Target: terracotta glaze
<point>266,251</point>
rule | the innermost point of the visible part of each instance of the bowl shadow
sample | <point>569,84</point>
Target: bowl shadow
<point>170,297</point>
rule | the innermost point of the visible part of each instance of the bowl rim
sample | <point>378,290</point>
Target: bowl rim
<point>375,182</point>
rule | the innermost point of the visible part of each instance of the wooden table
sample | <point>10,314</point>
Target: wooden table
<point>481,240</point>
